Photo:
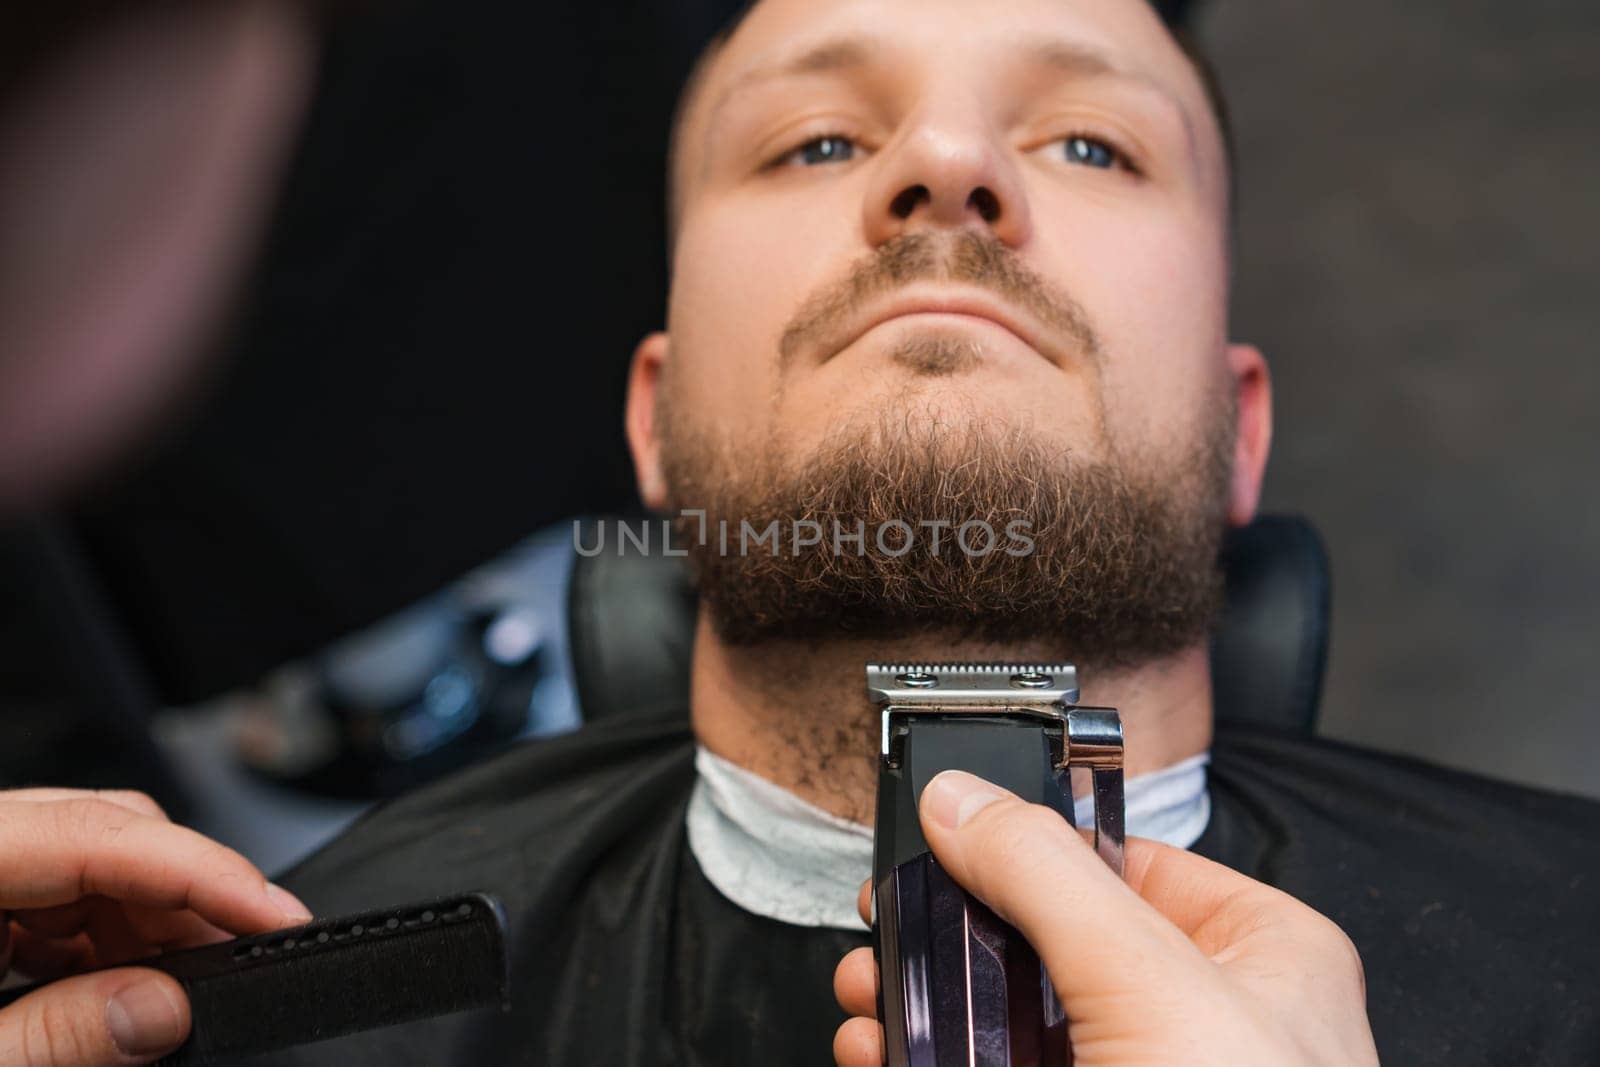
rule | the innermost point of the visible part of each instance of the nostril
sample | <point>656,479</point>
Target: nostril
<point>907,201</point>
<point>987,203</point>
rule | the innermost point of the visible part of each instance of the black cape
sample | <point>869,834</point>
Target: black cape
<point>1473,903</point>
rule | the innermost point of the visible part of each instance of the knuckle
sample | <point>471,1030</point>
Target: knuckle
<point>87,813</point>
<point>89,822</point>
<point>1035,822</point>
<point>133,798</point>
<point>1338,952</point>
<point>222,862</point>
<point>1354,968</point>
<point>222,857</point>
<point>56,1032</point>
<point>76,819</point>
<point>1013,832</point>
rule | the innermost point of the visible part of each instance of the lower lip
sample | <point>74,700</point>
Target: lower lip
<point>954,318</point>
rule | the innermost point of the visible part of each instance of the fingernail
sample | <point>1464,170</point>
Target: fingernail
<point>953,797</point>
<point>143,1020</point>
<point>288,903</point>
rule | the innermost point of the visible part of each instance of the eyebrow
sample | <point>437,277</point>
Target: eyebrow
<point>1073,59</point>
<point>841,54</point>
<point>828,57</point>
<point>1080,60</point>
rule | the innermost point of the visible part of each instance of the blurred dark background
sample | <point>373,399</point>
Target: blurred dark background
<point>409,388</point>
<point>1419,242</point>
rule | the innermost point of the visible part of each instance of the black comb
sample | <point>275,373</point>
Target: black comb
<point>332,977</point>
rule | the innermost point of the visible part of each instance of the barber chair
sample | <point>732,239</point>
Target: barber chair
<point>632,623</point>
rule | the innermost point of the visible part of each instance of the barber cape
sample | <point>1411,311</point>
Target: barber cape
<point>1475,905</point>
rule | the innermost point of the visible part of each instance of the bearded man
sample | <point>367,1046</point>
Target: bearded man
<point>940,266</point>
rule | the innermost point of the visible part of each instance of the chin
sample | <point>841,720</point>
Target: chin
<point>954,408</point>
<point>954,376</point>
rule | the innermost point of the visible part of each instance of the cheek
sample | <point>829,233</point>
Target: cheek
<point>1154,285</point>
<point>723,317</point>
<point>742,270</point>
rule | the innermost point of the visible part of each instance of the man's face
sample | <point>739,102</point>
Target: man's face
<point>1010,214</point>
<point>938,116</point>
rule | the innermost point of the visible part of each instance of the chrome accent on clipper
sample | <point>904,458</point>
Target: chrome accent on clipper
<point>1094,740</point>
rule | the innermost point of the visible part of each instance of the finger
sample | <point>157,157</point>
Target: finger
<point>165,930</point>
<point>858,1043</point>
<point>99,920</point>
<point>864,902</point>
<point>129,929</point>
<point>122,934</point>
<point>46,959</point>
<point>123,798</point>
<point>1215,906</point>
<point>855,983</point>
<point>79,847</point>
<point>125,1016</point>
<point>63,920</point>
<point>1026,862</point>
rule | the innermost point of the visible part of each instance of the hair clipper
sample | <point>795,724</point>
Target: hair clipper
<point>958,985</point>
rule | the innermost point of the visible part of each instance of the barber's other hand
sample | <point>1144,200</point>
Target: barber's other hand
<point>1184,962</point>
<point>91,879</point>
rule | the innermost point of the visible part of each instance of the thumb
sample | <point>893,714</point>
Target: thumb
<point>1097,938</point>
<point>126,1016</point>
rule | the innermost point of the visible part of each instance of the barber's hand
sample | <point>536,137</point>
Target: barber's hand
<point>1185,962</point>
<point>90,879</point>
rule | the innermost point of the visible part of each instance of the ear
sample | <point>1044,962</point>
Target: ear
<point>639,418</point>
<point>1252,389</point>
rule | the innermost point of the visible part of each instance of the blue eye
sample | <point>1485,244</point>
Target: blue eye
<point>831,148</point>
<point>1090,152</point>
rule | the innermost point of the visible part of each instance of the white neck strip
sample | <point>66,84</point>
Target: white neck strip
<point>776,855</point>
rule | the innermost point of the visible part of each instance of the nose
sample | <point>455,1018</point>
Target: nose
<point>949,170</point>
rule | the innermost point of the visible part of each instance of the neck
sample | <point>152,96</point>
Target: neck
<point>797,713</point>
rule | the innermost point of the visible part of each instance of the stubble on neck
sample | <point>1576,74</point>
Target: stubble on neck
<point>797,714</point>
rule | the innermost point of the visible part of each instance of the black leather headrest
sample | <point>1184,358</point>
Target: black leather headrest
<point>633,615</point>
<point>1269,653</point>
<point>631,619</point>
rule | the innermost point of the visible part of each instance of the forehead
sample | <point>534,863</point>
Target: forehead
<point>782,40</point>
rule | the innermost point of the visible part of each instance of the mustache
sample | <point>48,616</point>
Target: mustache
<point>974,257</point>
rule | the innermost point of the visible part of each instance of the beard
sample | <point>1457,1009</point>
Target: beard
<point>1115,561</point>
